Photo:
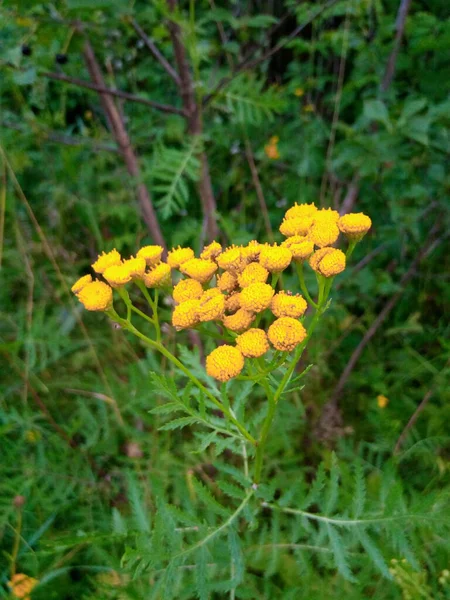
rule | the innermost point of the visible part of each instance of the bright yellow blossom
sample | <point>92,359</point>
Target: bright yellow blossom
<point>251,251</point>
<point>136,266</point>
<point>158,276</point>
<point>227,282</point>
<point>296,226</point>
<point>326,214</point>
<point>151,254</point>
<point>256,297</point>
<point>323,233</point>
<point>177,256</point>
<point>329,263</point>
<point>355,225</point>
<point>253,343</point>
<point>224,363</point>
<point>106,260</point>
<point>212,251</point>
<point>22,585</point>
<point>287,305</point>
<point>299,92</point>
<point>301,210</point>
<point>382,401</point>
<point>187,289</point>
<point>186,314</point>
<point>239,321</point>
<point>117,275</point>
<point>275,258</point>
<point>253,273</point>
<point>212,306</point>
<point>302,250</point>
<point>96,296</point>
<point>199,269</point>
<point>233,302</point>
<point>81,283</point>
<point>230,259</point>
<point>286,333</point>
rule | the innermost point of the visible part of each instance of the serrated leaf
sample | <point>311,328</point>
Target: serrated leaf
<point>165,409</point>
<point>231,490</point>
<point>339,553</point>
<point>207,498</point>
<point>179,423</point>
<point>359,497</point>
<point>140,512</point>
<point>373,552</point>
<point>333,486</point>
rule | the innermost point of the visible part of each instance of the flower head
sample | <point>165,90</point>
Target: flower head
<point>251,251</point>
<point>151,254</point>
<point>382,401</point>
<point>227,282</point>
<point>233,302</point>
<point>22,585</point>
<point>187,289</point>
<point>301,250</point>
<point>324,231</point>
<point>136,266</point>
<point>199,269</point>
<point>96,296</point>
<point>186,314</point>
<point>286,305</point>
<point>253,343</point>
<point>158,276</point>
<point>224,363</point>
<point>117,275</point>
<point>329,263</point>
<point>275,258</point>
<point>296,226</point>
<point>301,210</point>
<point>355,225</point>
<point>81,283</point>
<point>106,260</point>
<point>230,259</point>
<point>253,273</point>
<point>212,251</point>
<point>326,214</point>
<point>256,297</point>
<point>177,256</point>
<point>212,306</point>
<point>286,333</point>
<point>271,149</point>
<point>239,321</point>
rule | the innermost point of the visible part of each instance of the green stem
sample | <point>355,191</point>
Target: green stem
<point>350,248</point>
<point>301,278</point>
<point>141,314</point>
<point>153,305</point>
<point>126,298</point>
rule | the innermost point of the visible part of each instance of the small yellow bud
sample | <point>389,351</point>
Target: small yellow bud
<point>355,225</point>
<point>158,276</point>
<point>187,289</point>
<point>256,297</point>
<point>106,260</point>
<point>286,305</point>
<point>275,258</point>
<point>81,283</point>
<point>286,333</point>
<point>96,296</point>
<point>177,256</point>
<point>253,343</point>
<point>151,254</point>
<point>239,321</point>
<point>199,269</point>
<point>186,314</point>
<point>224,363</point>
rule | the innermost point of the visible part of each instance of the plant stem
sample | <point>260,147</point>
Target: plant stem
<point>301,278</point>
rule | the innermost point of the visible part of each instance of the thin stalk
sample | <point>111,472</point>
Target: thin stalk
<point>301,278</point>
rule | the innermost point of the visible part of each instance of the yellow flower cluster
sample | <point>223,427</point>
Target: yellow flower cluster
<point>114,272</point>
<point>22,585</point>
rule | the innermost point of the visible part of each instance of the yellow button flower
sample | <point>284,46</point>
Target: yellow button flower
<point>286,333</point>
<point>323,233</point>
<point>286,305</point>
<point>186,314</point>
<point>253,343</point>
<point>355,225</point>
<point>302,250</point>
<point>81,283</point>
<point>251,251</point>
<point>256,297</point>
<point>328,263</point>
<point>199,269</point>
<point>275,258</point>
<point>158,276</point>
<point>227,282</point>
<point>230,259</point>
<point>117,275</point>
<point>382,401</point>
<point>233,302</point>
<point>212,306</point>
<point>187,289</point>
<point>151,254</point>
<point>106,260</point>
<point>253,273</point>
<point>296,226</point>
<point>240,321</point>
<point>326,214</point>
<point>224,363</point>
<point>96,296</point>
<point>136,266</point>
<point>177,256</point>
<point>21,585</point>
<point>301,210</point>
<point>212,251</point>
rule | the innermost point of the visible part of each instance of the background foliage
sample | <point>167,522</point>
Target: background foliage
<point>109,499</point>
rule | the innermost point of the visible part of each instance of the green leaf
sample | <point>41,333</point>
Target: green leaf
<point>373,553</point>
<point>140,512</point>
<point>316,489</point>
<point>359,497</point>
<point>25,77</point>
<point>333,486</point>
<point>179,423</point>
<point>207,498</point>
<point>339,553</point>
<point>375,110</point>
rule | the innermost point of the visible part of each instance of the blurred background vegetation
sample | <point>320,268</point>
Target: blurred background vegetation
<point>217,116</point>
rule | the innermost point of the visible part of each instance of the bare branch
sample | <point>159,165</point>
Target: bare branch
<point>258,188</point>
<point>111,92</point>
<point>412,421</point>
<point>392,61</point>
<point>156,53</point>
<point>124,143</point>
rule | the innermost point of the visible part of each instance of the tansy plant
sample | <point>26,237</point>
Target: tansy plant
<point>235,296</point>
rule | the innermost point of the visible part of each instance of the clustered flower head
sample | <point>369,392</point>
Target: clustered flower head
<point>22,585</point>
<point>234,287</point>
